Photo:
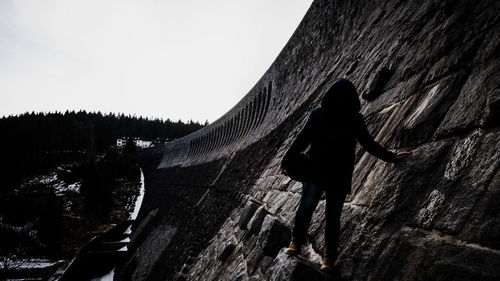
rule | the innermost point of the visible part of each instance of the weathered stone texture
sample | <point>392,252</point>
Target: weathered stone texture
<point>469,108</point>
<point>158,239</point>
<point>421,255</point>
<point>429,70</point>
<point>273,236</point>
<point>295,269</point>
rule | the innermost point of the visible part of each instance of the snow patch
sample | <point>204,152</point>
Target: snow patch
<point>138,202</point>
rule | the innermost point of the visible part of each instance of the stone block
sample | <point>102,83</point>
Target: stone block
<point>420,255</point>
<point>428,110</point>
<point>273,236</point>
<point>288,210</point>
<point>473,162</point>
<point>247,213</point>
<point>401,91</point>
<point>277,201</point>
<point>295,187</point>
<point>255,223</point>
<point>403,182</point>
<point>486,161</point>
<point>292,268</point>
<point>462,155</point>
<point>376,83</point>
<point>469,108</point>
<point>458,203</point>
<point>483,225</point>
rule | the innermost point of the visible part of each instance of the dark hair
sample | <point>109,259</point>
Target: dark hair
<point>341,97</point>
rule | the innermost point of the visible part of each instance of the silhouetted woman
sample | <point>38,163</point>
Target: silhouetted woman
<point>331,131</point>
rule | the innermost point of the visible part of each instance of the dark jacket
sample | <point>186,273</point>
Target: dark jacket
<point>332,143</point>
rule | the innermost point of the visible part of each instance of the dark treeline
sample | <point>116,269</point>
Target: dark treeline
<point>33,141</point>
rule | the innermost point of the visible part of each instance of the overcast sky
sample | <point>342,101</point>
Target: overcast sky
<point>180,59</point>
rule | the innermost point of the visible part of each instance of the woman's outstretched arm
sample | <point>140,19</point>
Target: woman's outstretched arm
<point>367,142</point>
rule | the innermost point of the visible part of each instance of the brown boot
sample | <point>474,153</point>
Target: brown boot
<point>328,265</point>
<point>294,247</point>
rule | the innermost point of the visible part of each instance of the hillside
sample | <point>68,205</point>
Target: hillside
<point>34,142</point>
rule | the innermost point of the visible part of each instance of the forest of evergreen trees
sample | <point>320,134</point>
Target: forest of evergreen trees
<point>34,141</point>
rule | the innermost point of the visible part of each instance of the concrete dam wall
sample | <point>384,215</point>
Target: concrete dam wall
<point>217,207</point>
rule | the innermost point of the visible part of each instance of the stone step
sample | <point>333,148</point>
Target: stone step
<point>297,268</point>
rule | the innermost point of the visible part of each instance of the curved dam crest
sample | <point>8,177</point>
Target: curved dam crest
<point>216,206</point>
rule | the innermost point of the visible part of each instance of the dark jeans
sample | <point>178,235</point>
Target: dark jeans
<point>311,194</point>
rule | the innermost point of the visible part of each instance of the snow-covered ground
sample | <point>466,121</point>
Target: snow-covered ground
<point>18,264</point>
<point>138,201</point>
<point>52,179</point>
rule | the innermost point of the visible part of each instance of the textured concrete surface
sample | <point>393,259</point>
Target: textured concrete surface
<point>427,75</point>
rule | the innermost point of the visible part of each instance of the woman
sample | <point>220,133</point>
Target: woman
<point>331,131</point>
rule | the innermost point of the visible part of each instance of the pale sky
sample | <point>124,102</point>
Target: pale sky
<point>180,59</point>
